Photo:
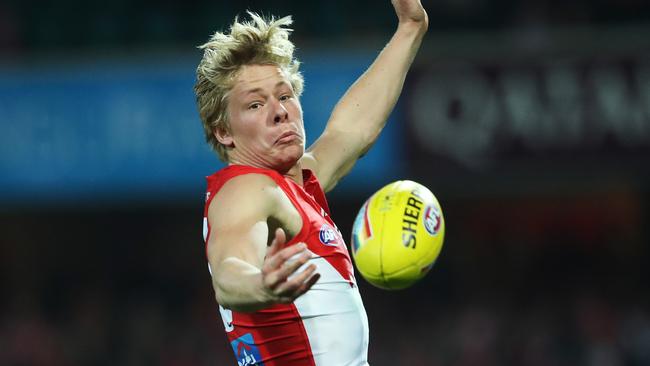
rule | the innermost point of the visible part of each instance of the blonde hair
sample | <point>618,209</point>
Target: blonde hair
<point>258,41</point>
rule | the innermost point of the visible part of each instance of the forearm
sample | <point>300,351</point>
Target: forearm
<point>367,104</point>
<point>238,286</point>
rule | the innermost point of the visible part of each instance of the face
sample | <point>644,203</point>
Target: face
<point>266,126</point>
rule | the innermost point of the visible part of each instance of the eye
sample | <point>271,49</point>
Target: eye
<point>255,105</point>
<point>285,97</point>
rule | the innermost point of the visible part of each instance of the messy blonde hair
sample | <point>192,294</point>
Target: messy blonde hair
<point>258,41</point>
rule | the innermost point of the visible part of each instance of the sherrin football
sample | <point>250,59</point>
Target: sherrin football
<point>397,235</point>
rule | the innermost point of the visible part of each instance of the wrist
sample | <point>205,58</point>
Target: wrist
<point>413,26</point>
<point>265,296</point>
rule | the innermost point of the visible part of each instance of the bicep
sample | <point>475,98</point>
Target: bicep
<point>238,217</point>
<point>245,241</point>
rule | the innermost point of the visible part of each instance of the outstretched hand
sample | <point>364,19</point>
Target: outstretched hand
<point>280,277</point>
<point>410,11</point>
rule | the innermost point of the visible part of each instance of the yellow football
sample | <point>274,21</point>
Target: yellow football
<point>397,235</point>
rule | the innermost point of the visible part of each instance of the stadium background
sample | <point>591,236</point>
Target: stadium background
<point>530,120</point>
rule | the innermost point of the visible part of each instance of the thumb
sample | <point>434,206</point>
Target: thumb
<point>278,242</point>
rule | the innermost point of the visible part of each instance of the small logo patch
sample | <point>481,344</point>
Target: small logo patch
<point>362,228</point>
<point>246,352</point>
<point>431,219</point>
<point>328,236</point>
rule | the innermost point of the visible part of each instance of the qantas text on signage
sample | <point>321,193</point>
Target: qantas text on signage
<point>466,113</point>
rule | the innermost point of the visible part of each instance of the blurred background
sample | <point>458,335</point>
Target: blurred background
<point>530,121</point>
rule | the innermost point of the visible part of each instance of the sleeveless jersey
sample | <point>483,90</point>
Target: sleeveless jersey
<point>326,326</point>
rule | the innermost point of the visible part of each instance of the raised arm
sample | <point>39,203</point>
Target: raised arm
<point>360,115</point>
<point>248,275</point>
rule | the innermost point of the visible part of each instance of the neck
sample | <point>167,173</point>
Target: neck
<point>295,173</point>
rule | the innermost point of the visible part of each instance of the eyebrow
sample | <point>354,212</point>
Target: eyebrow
<point>257,90</point>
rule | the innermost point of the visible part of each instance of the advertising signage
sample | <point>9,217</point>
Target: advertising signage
<point>475,115</point>
<point>124,130</point>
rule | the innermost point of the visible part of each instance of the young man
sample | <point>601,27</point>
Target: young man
<point>281,272</point>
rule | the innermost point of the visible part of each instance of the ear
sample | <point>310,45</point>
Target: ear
<point>224,136</point>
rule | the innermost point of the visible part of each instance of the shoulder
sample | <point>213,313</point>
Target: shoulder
<point>218,179</point>
<point>319,170</point>
<point>310,166</point>
<point>308,161</point>
<point>244,195</point>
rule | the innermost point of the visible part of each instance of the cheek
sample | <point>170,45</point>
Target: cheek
<point>246,126</point>
<point>298,108</point>
<point>254,131</point>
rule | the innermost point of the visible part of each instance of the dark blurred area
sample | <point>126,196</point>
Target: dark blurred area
<point>529,120</point>
<point>31,26</point>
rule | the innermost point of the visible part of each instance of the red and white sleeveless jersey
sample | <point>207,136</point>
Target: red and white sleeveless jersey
<point>326,326</point>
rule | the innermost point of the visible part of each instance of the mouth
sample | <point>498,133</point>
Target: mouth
<point>288,136</point>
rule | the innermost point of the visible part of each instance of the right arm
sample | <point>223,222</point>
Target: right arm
<point>247,274</point>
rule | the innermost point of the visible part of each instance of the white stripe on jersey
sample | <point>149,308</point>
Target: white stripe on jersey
<point>334,328</point>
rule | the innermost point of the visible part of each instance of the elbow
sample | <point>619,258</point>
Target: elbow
<point>368,139</point>
<point>235,302</point>
<point>221,298</point>
<point>227,302</point>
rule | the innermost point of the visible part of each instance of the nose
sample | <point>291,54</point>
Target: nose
<point>280,113</point>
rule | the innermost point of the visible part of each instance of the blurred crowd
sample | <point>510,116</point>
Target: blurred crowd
<point>96,328</point>
<point>130,286</point>
<point>41,26</point>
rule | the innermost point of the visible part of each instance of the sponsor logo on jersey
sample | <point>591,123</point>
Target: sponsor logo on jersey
<point>328,236</point>
<point>246,352</point>
<point>431,219</point>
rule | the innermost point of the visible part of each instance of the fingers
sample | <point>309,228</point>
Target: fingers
<point>281,276</point>
<point>309,283</point>
<point>410,10</point>
<point>277,260</point>
<point>283,264</point>
<point>297,289</point>
<point>293,264</point>
<point>299,284</point>
<point>278,242</point>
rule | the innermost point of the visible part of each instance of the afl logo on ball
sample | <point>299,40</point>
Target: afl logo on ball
<point>431,219</point>
<point>328,236</point>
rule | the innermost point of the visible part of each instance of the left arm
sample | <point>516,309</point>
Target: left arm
<point>361,114</point>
